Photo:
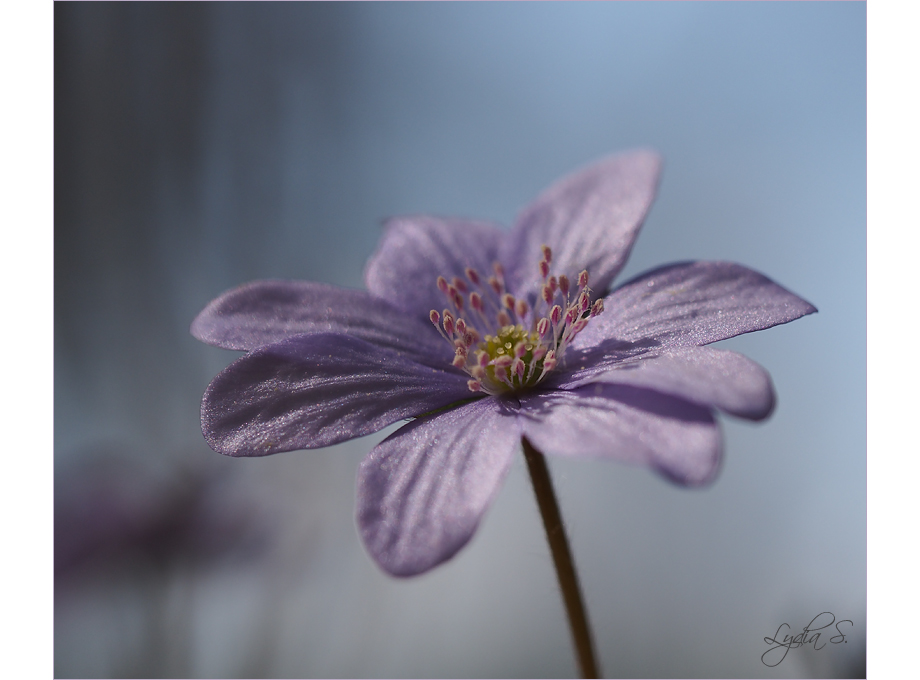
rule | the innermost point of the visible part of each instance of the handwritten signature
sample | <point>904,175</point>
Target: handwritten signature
<point>808,636</point>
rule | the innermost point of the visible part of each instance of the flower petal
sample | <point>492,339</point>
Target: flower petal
<point>589,219</point>
<point>709,377</point>
<point>315,390</point>
<point>416,250</point>
<point>264,312</point>
<point>423,490</point>
<point>628,424</point>
<point>692,304</point>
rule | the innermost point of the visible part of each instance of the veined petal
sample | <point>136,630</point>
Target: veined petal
<point>416,250</point>
<point>264,312</point>
<point>692,304</point>
<point>316,390</point>
<point>705,376</point>
<point>627,424</point>
<point>589,219</point>
<point>423,490</point>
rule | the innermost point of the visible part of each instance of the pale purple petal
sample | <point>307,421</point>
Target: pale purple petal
<point>424,489</point>
<point>315,390</point>
<point>264,312</point>
<point>627,424</point>
<point>589,220</point>
<point>692,304</point>
<point>416,250</point>
<point>725,380</point>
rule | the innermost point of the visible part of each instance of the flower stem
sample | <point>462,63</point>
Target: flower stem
<point>562,557</point>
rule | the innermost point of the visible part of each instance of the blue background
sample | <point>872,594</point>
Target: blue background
<point>201,146</point>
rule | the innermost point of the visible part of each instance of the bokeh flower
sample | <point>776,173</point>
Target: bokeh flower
<point>119,513</point>
<point>483,337</point>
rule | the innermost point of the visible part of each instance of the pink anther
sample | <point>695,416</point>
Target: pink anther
<point>448,323</point>
<point>547,294</point>
<point>518,368</point>
<point>553,284</point>
<point>503,318</point>
<point>555,314</point>
<point>564,284</point>
<point>495,285</point>
<point>547,254</point>
<point>472,275</point>
<point>460,284</point>
<point>503,361</point>
<point>571,315</point>
<point>442,284</point>
<point>584,301</point>
<point>476,302</point>
<point>597,308</point>
<point>508,301</point>
<point>542,327</point>
<point>474,385</point>
<point>435,317</point>
<point>521,308</point>
<point>544,269</point>
<point>583,279</point>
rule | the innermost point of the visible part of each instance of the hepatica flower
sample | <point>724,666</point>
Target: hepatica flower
<point>485,338</point>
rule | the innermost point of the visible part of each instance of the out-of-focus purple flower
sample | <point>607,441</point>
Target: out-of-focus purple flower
<point>484,337</point>
<point>113,513</point>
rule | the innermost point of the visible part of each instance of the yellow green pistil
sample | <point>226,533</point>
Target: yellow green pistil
<point>499,340</point>
<point>514,343</point>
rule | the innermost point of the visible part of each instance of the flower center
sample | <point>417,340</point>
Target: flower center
<point>499,340</point>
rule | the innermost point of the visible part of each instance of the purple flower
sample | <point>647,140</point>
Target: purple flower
<point>484,337</point>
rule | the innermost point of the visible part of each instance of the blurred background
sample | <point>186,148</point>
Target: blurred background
<point>199,146</point>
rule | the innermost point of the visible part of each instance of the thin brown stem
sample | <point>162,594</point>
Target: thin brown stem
<point>562,557</point>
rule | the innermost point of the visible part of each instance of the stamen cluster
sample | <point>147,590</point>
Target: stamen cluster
<point>498,339</point>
